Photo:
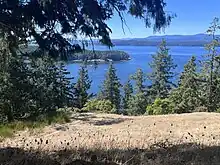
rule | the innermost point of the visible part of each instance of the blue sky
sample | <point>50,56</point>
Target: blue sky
<point>193,16</point>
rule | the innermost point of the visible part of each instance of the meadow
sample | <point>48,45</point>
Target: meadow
<point>116,139</point>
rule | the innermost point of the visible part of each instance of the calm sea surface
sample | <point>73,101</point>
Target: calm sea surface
<point>140,58</point>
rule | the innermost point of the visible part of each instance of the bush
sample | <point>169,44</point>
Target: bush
<point>99,105</point>
<point>160,107</point>
<point>203,109</point>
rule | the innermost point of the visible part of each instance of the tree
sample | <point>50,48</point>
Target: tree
<point>82,86</point>
<point>210,70</point>
<point>111,87</point>
<point>137,104</point>
<point>15,97</point>
<point>162,72</point>
<point>49,22</point>
<point>128,90</point>
<point>187,96</point>
<point>139,79</point>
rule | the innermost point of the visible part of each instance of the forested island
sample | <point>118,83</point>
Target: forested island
<point>99,56</point>
<point>89,55</point>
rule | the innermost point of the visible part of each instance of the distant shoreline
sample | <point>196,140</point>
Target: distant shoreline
<point>100,61</point>
<point>99,56</point>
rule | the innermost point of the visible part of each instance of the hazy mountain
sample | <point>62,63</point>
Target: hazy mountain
<point>172,40</point>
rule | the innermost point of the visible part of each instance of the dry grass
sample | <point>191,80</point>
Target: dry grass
<point>170,139</point>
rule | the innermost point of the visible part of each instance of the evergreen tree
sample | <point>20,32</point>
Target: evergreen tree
<point>138,102</point>
<point>162,72</point>
<point>111,87</point>
<point>128,90</point>
<point>187,96</point>
<point>15,90</point>
<point>210,70</point>
<point>82,86</point>
<point>139,79</point>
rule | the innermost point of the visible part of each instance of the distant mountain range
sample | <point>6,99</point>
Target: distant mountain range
<point>172,40</point>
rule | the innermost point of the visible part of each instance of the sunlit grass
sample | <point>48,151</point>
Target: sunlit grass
<point>9,129</point>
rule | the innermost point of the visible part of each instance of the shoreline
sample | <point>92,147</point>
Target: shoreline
<point>100,61</point>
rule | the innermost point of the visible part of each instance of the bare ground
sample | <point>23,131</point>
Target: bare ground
<point>102,133</point>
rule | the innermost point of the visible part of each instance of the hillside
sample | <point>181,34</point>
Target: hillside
<point>172,40</point>
<point>169,139</point>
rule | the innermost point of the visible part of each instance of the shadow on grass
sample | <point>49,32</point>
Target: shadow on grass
<point>168,155</point>
<point>98,121</point>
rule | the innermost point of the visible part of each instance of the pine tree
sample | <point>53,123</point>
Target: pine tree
<point>128,90</point>
<point>187,96</point>
<point>82,86</point>
<point>162,72</point>
<point>111,87</point>
<point>139,79</point>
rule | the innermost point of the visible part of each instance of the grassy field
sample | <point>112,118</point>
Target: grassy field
<point>114,139</point>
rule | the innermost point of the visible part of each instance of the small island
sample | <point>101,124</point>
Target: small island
<point>89,55</point>
<point>99,56</point>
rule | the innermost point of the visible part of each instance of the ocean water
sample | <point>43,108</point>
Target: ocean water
<point>140,58</point>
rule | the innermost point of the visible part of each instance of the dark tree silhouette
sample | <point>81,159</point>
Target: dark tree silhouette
<point>47,21</point>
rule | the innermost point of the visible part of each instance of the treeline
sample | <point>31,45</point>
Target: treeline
<point>31,87</point>
<point>197,89</point>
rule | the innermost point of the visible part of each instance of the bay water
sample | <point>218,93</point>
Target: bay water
<point>140,58</point>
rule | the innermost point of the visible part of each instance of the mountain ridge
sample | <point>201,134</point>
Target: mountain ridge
<point>199,39</point>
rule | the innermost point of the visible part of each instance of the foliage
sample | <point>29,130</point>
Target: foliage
<point>32,87</point>
<point>137,104</point>
<point>139,79</point>
<point>8,129</point>
<point>210,71</point>
<point>49,22</point>
<point>111,87</point>
<point>99,105</point>
<point>160,107</point>
<point>128,90</point>
<point>201,109</point>
<point>82,86</point>
<point>187,96</point>
<point>162,73</point>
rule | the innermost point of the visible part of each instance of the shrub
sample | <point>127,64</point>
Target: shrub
<point>203,109</point>
<point>160,107</point>
<point>99,105</point>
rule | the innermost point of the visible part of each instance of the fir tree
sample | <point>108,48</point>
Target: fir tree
<point>210,70</point>
<point>139,79</point>
<point>111,87</point>
<point>162,72</point>
<point>138,102</point>
<point>187,96</point>
<point>128,90</point>
<point>82,86</point>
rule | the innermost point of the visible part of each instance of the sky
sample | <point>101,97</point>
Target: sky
<point>193,17</point>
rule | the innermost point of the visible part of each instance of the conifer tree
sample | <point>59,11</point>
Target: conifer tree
<point>110,89</point>
<point>162,72</point>
<point>139,79</point>
<point>210,70</point>
<point>82,86</point>
<point>128,90</point>
<point>187,96</point>
<point>138,102</point>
